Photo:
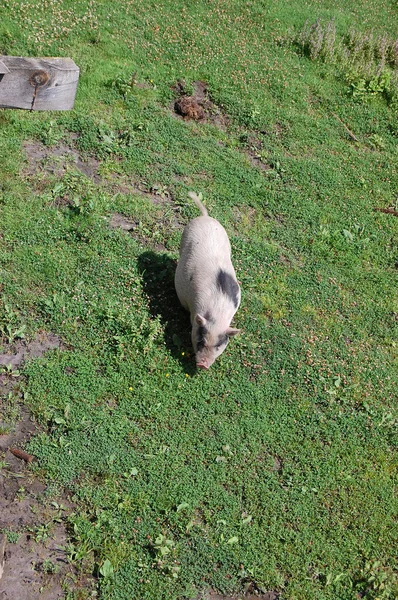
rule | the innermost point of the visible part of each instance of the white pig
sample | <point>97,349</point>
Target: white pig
<point>206,285</point>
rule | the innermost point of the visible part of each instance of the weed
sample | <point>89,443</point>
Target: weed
<point>21,494</point>
<point>79,191</point>
<point>107,569</point>
<point>161,190</point>
<point>12,536</point>
<point>10,326</point>
<point>42,532</point>
<point>49,567</point>
<point>163,546</point>
<point>10,371</point>
<point>124,85</point>
<point>318,41</point>
<point>79,555</point>
<point>377,582</point>
<point>376,142</point>
<point>364,88</point>
<point>367,62</point>
<point>51,134</point>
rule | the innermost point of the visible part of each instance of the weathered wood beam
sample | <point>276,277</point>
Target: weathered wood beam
<point>38,83</point>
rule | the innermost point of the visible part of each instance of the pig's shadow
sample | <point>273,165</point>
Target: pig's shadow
<point>157,272</point>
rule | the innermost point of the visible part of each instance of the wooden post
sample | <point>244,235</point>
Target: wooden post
<point>38,83</point>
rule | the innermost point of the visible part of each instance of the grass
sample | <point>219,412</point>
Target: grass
<point>278,466</point>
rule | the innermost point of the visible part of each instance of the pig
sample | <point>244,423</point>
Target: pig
<point>206,285</point>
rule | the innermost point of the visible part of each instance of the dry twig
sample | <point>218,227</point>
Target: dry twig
<point>352,136</point>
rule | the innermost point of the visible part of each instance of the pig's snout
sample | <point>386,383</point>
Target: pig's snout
<point>202,365</point>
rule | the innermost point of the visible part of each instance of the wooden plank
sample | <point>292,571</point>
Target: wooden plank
<point>3,68</point>
<point>38,83</point>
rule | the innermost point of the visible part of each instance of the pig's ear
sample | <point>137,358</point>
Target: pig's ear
<point>200,320</point>
<point>231,331</point>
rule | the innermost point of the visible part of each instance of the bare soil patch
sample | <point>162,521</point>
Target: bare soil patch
<point>118,221</point>
<point>48,162</point>
<point>33,536</point>
<point>156,194</point>
<point>134,228</point>
<point>56,159</point>
<point>162,197</point>
<point>21,350</point>
<point>34,555</point>
<point>166,220</point>
<point>255,152</point>
<point>197,106</point>
<point>246,217</point>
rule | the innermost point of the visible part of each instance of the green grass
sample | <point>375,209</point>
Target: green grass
<point>278,466</point>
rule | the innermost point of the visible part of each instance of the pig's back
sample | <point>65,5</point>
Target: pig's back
<point>205,237</point>
<point>205,251</point>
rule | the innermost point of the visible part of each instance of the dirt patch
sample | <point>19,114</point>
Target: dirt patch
<point>34,559</point>
<point>288,259</point>
<point>119,221</point>
<point>256,153</point>
<point>56,159</point>
<point>279,129</point>
<point>19,351</point>
<point>34,570</point>
<point>158,195</point>
<point>197,106</point>
<point>33,540</point>
<point>161,196</point>
<point>153,229</point>
<point>246,219</point>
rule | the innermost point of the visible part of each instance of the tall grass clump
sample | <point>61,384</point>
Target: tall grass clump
<point>318,41</point>
<point>367,62</point>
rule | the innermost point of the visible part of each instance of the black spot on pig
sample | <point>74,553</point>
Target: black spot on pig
<point>200,337</point>
<point>222,340</point>
<point>227,284</point>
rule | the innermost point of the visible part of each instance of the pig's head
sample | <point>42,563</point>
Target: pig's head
<point>209,340</point>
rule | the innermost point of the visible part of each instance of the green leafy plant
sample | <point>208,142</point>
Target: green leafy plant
<point>124,84</point>
<point>43,532</point>
<point>10,327</point>
<point>49,567</point>
<point>107,570</point>
<point>12,536</point>
<point>163,545</point>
